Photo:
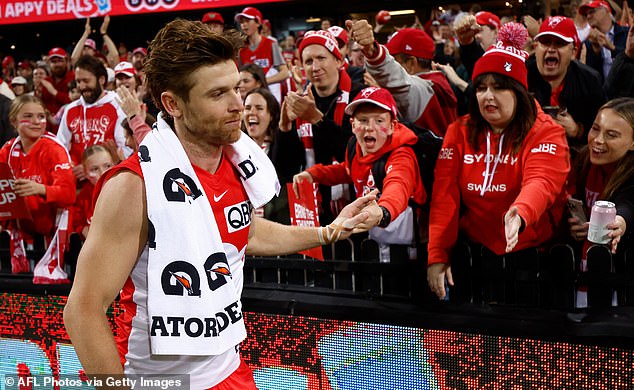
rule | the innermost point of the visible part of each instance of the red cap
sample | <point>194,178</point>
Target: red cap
<point>560,27</point>
<point>25,64</point>
<point>506,57</point>
<point>57,52</point>
<point>584,9</point>
<point>322,38</point>
<point>6,61</point>
<point>267,23</point>
<point>140,50</point>
<point>339,33</point>
<point>485,18</point>
<point>91,44</point>
<point>124,68</point>
<point>373,95</point>
<point>411,41</point>
<point>250,13</point>
<point>213,17</point>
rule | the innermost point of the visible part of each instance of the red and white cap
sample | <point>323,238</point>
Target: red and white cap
<point>411,41</point>
<point>560,27</point>
<point>339,33</point>
<point>506,57</point>
<point>322,38</point>
<point>373,95</point>
<point>213,17</point>
<point>57,52</point>
<point>584,9</point>
<point>485,18</point>
<point>250,13</point>
<point>124,68</point>
<point>90,43</point>
<point>140,50</point>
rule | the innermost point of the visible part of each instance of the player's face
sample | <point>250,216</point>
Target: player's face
<point>214,110</point>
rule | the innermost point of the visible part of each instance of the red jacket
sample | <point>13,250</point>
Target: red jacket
<point>47,163</point>
<point>262,56</point>
<point>442,109</point>
<point>533,180</point>
<point>402,180</point>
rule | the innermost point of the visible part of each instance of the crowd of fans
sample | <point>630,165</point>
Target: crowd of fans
<point>529,113</point>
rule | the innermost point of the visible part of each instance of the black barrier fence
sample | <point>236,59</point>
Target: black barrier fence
<point>543,279</point>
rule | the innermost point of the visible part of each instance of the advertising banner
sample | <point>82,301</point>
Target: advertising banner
<point>303,211</point>
<point>12,206</point>
<point>32,11</point>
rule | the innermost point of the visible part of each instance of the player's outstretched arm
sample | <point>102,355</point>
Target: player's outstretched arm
<point>268,238</point>
<point>118,233</point>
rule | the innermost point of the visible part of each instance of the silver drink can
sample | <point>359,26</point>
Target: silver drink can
<point>603,213</point>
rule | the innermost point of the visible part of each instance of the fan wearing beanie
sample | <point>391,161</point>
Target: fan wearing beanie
<point>316,121</point>
<point>500,174</point>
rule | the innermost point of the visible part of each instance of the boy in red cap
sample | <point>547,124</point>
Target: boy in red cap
<point>377,132</point>
<point>263,52</point>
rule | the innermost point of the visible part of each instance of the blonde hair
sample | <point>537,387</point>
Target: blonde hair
<point>21,101</point>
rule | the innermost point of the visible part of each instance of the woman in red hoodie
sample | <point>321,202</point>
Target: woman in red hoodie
<point>377,133</point>
<point>500,175</point>
<point>42,170</point>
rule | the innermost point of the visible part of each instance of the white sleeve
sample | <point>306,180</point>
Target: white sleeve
<point>64,134</point>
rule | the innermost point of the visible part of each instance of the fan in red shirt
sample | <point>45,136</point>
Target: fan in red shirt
<point>500,175</point>
<point>41,167</point>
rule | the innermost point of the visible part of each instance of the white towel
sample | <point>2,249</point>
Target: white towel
<point>192,309</point>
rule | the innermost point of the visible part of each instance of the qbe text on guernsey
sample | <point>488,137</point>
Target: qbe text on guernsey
<point>133,382</point>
